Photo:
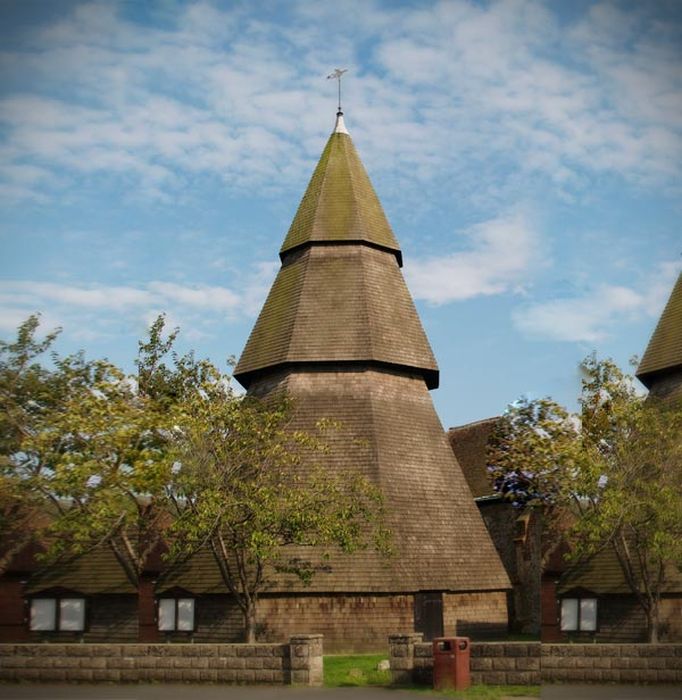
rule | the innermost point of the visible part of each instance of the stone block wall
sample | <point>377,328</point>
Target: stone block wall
<point>497,663</point>
<point>532,663</point>
<point>299,662</point>
<point>618,663</point>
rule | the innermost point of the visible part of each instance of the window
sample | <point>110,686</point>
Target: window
<point>176,614</point>
<point>57,615</point>
<point>579,614</point>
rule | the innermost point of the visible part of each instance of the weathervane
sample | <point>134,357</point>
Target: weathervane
<point>338,72</point>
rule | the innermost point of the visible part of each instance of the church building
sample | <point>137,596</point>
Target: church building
<point>339,333</point>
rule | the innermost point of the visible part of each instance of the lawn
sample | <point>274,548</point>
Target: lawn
<point>360,670</point>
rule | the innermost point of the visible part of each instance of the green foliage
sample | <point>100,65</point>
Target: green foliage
<point>616,466</point>
<point>249,485</point>
<point>168,458</point>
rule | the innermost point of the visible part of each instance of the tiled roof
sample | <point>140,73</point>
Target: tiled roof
<point>469,443</point>
<point>389,432</point>
<point>664,351</point>
<point>338,303</point>
<point>340,203</point>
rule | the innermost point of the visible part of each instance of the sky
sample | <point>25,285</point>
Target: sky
<point>528,155</point>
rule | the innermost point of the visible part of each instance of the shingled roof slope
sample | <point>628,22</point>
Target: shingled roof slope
<point>97,571</point>
<point>470,443</point>
<point>664,351</point>
<point>340,203</point>
<point>338,303</point>
<point>602,574</point>
<point>390,433</point>
<point>340,335</point>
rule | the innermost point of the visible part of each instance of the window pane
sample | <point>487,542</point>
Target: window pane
<point>186,614</point>
<point>569,614</point>
<point>588,614</point>
<point>167,614</point>
<point>72,614</point>
<point>43,613</point>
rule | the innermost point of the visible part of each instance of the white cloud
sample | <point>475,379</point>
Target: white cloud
<point>589,318</point>
<point>90,311</point>
<point>241,96</point>
<point>501,254</point>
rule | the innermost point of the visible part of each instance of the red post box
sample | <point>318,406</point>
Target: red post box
<point>451,657</point>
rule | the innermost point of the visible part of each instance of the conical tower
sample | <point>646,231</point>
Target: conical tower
<point>661,367</point>
<point>339,333</point>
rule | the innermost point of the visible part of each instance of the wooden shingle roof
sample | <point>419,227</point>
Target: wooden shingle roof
<point>340,204</point>
<point>338,303</point>
<point>470,443</point>
<point>340,335</point>
<point>97,571</point>
<point>389,432</point>
<point>664,351</point>
<point>603,575</point>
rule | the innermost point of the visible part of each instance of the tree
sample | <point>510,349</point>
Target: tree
<point>100,452</point>
<point>28,392</point>
<point>616,464</point>
<point>249,487</point>
<point>100,455</point>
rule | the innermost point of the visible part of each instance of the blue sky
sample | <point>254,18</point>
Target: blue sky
<point>528,155</point>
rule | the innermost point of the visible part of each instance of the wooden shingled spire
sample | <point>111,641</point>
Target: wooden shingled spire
<point>661,367</point>
<point>340,334</point>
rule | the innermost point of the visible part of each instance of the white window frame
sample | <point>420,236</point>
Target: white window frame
<point>581,604</point>
<point>60,621</point>
<point>174,624</point>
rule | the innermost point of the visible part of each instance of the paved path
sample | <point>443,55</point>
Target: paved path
<point>611,692</point>
<point>231,692</point>
<point>195,692</point>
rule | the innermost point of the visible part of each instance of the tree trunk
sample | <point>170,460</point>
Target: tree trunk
<point>250,622</point>
<point>652,624</point>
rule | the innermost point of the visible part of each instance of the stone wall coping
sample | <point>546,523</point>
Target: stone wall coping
<point>297,662</point>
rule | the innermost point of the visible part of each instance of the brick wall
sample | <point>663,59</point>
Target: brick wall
<point>299,662</point>
<point>532,663</point>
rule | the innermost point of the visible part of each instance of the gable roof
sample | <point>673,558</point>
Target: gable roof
<point>664,351</point>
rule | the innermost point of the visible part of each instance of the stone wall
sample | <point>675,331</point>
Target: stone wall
<point>532,663</point>
<point>498,663</point>
<point>618,663</point>
<point>299,662</point>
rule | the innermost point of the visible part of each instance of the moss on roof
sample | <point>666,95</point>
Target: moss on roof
<point>340,203</point>
<point>338,303</point>
<point>664,351</point>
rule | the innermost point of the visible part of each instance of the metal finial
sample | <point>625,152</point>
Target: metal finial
<point>336,75</point>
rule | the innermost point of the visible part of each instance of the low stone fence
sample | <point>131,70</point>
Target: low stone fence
<point>499,663</point>
<point>533,663</point>
<point>619,663</point>
<point>298,663</point>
